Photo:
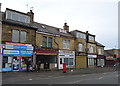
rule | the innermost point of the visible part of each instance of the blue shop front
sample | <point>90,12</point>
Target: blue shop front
<point>16,56</point>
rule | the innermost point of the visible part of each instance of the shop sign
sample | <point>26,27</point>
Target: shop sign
<point>22,52</point>
<point>80,54</point>
<point>66,52</point>
<point>18,47</point>
<point>17,52</point>
<point>9,43</point>
<point>46,52</point>
<point>92,56</point>
<point>67,55</point>
<point>10,52</point>
<point>6,69</point>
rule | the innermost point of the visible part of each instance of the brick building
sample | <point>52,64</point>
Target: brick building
<point>24,39</point>
<point>18,39</point>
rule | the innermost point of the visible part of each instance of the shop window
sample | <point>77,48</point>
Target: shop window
<point>68,61</point>
<point>49,42</point>
<point>7,62</point>
<point>52,59</point>
<point>44,44</point>
<point>91,62</point>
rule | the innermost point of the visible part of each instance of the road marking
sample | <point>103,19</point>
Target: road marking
<point>49,76</point>
<point>100,78</point>
<point>30,79</point>
<point>104,73</point>
<point>84,75</point>
<point>117,75</point>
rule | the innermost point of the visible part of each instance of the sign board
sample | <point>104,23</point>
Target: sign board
<point>6,69</point>
<point>17,52</point>
<point>45,52</point>
<point>92,56</point>
<point>20,44</point>
<point>18,47</point>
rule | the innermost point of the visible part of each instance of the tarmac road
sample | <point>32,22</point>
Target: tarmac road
<point>95,78</point>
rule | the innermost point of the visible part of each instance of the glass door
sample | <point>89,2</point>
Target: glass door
<point>16,63</point>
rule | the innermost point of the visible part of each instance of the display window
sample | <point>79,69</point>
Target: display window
<point>7,63</point>
<point>69,61</point>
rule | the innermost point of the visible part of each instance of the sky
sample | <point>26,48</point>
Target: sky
<point>99,17</point>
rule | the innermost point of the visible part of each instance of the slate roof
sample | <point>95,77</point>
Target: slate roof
<point>99,44</point>
<point>50,30</point>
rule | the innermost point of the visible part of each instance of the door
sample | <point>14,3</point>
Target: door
<point>60,63</point>
<point>16,64</point>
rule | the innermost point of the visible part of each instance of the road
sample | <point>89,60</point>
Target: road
<point>96,78</point>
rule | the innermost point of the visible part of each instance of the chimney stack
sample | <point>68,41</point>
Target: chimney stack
<point>31,14</point>
<point>66,27</point>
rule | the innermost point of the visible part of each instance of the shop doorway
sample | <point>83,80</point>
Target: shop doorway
<point>16,64</point>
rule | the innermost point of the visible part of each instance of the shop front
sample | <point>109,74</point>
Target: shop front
<point>92,60</point>
<point>66,56</point>
<point>100,60</point>
<point>46,56</point>
<point>81,60</point>
<point>16,56</point>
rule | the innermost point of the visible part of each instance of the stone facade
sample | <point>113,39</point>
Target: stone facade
<point>7,33</point>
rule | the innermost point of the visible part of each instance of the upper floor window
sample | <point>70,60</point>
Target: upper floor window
<point>47,42</point>
<point>91,38</point>
<point>80,47</point>
<point>17,17</point>
<point>99,51</point>
<point>19,36</point>
<point>44,41</point>
<point>81,35</point>
<point>91,49</point>
<point>66,44</point>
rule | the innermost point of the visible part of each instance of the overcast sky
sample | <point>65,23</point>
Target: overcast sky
<point>99,17</point>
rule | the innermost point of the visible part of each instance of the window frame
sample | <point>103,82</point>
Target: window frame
<point>19,36</point>
<point>49,42</point>
<point>80,48</point>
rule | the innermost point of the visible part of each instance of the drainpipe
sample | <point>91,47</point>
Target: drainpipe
<point>87,47</point>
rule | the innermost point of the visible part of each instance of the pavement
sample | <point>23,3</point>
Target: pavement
<point>59,72</point>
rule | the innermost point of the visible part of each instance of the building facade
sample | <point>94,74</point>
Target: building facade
<point>54,47</point>
<point>80,49</point>
<point>100,55</point>
<point>18,39</point>
<point>25,40</point>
